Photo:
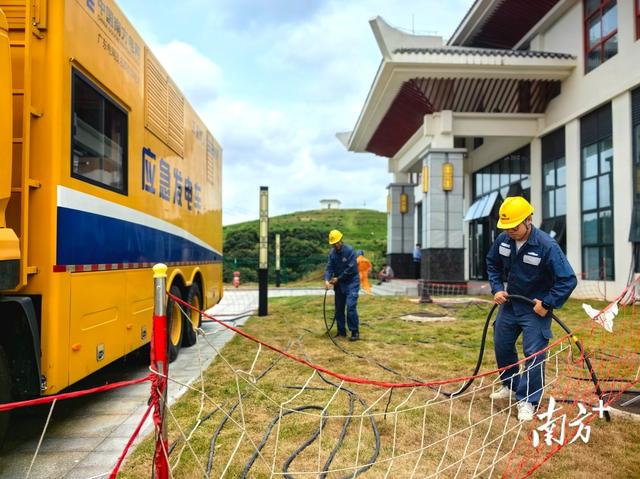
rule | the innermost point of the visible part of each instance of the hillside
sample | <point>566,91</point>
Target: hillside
<point>303,238</point>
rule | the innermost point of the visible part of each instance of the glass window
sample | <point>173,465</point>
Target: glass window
<point>503,174</point>
<point>515,168</point>
<point>606,155</point>
<point>478,183</point>
<point>590,194</point>
<point>561,201</point>
<point>99,143</point>
<point>605,221</point>
<point>561,176</point>
<point>495,175</point>
<point>486,182</point>
<point>549,204</point>
<point>590,161</point>
<point>601,26</point>
<point>637,158</point>
<point>549,174</point>
<point>610,19</point>
<point>594,30</point>
<point>590,6</point>
<point>604,192</point>
<point>597,195</point>
<point>553,181</point>
<point>634,231</point>
<point>591,262</point>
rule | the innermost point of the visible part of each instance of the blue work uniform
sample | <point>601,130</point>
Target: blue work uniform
<point>539,270</point>
<point>343,266</point>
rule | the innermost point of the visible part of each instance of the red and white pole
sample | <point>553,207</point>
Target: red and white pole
<point>160,364</point>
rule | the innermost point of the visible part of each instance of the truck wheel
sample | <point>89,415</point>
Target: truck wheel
<point>175,326</point>
<point>5,394</point>
<point>194,298</point>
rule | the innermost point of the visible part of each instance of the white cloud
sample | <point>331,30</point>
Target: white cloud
<point>197,75</point>
<point>274,84</point>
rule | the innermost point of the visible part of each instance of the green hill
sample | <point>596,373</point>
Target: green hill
<point>303,242</point>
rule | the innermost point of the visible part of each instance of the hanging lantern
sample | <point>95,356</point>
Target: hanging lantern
<point>447,176</point>
<point>404,203</point>
<point>425,179</point>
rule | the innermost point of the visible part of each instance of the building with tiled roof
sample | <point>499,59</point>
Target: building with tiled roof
<point>540,99</point>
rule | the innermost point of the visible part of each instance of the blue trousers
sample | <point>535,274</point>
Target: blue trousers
<point>536,333</point>
<point>348,299</point>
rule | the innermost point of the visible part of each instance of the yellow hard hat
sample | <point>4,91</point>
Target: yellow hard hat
<point>514,211</point>
<point>334,236</point>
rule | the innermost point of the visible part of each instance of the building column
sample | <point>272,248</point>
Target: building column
<point>622,190</point>
<point>573,162</point>
<point>535,152</point>
<point>442,225</point>
<point>400,229</point>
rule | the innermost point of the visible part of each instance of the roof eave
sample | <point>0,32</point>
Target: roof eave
<point>392,74</point>
<point>471,20</point>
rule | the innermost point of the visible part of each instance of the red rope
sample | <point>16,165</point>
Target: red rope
<point>359,380</point>
<point>75,394</point>
<point>114,472</point>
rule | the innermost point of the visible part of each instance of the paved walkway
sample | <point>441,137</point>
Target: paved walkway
<point>85,436</point>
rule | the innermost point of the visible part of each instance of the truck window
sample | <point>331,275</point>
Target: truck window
<point>99,137</point>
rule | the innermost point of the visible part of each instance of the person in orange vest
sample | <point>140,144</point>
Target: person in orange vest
<point>364,266</point>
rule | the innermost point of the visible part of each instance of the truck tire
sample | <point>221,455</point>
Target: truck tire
<point>175,324</point>
<point>194,298</point>
<point>5,394</point>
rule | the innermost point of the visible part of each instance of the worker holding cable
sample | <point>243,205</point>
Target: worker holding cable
<point>342,274</point>
<point>533,266</point>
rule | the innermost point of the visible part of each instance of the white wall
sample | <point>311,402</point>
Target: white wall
<point>582,92</point>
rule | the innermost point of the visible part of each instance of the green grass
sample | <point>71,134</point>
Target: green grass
<point>428,351</point>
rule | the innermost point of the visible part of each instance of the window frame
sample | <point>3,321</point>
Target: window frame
<point>553,154</point>
<point>601,136</point>
<point>636,7</point>
<point>602,40</point>
<point>79,75</point>
<point>498,173</point>
<point>635,162</point>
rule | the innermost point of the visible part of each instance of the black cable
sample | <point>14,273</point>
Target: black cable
<point>325,469</point>
<point>214,438</point>
<point>267,433</point>
<point>374,427</point>
<point>341,436</point>
<point>324,315</point>
<point>393,371</point>
<point>578,342</point>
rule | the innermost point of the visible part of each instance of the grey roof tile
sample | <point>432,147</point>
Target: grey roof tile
<point>486,52</point>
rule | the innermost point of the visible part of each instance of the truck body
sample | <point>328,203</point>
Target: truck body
<point>105,170</point>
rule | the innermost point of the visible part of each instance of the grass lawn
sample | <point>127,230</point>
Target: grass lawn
<point>401,430</point>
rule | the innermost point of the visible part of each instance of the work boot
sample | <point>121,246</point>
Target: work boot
<point>340,334</point>
<point>354,336</point>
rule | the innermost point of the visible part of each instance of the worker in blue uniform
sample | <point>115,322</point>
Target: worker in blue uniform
<point>534,266</point>
<point>342,274</point>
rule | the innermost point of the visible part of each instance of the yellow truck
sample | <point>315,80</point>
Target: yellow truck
<point>105,170</point>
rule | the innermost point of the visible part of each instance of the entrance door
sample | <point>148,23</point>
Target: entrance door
<point>481,235</point>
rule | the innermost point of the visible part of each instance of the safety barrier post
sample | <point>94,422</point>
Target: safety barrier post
<point>160,364</point>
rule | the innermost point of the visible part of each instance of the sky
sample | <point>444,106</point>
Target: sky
<point>275,80</point>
